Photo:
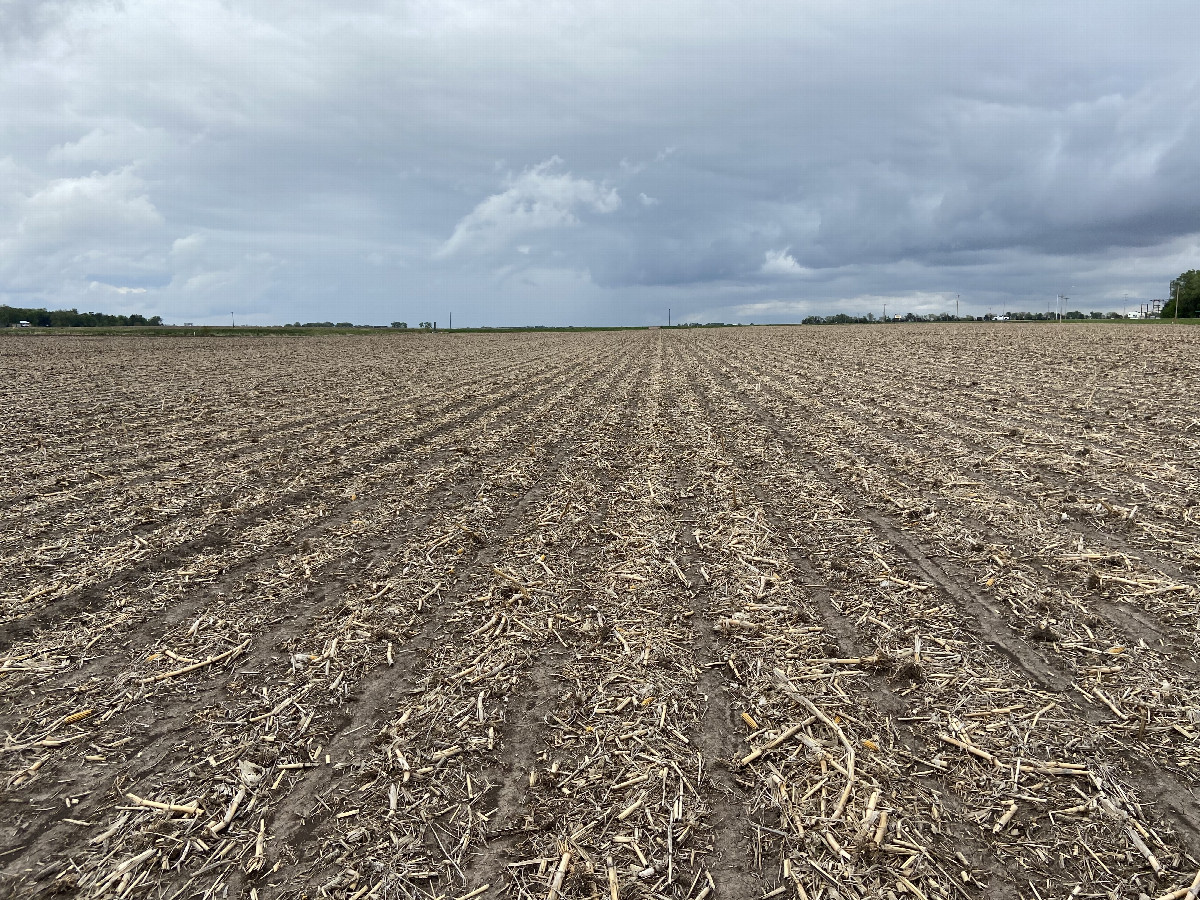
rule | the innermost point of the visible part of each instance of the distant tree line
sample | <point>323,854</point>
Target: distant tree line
<point>340,325</point>
<point>69,318</point>
<point>869,318</point>
<point>1050,317</point>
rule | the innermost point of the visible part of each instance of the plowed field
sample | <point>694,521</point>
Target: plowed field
<point>732,613</point>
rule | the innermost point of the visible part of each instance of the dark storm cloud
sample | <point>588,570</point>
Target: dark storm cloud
<point>522,162</point>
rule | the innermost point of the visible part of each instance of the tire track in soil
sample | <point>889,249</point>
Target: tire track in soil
<point>717,740</point>
<point>1054,483</point>
<point>519,736</point>
<point>1128,622</point>
<point>1175,801</point>
<point>714,735</point>
<point>215,536</point>
<point>161,736</point>
<point>877,686</point>
<point>880,692</point>
<point>779,493</point>
<point>291,824</point>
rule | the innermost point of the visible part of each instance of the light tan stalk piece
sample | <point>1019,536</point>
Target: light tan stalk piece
<point>187,810</point>
<point>200,665</point>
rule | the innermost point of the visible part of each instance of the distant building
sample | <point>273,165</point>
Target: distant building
<point>23,324</point>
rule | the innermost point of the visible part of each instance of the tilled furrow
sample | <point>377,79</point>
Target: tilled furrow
<point>922,627</point>
<point>75,569</point>
<point>346,642</point>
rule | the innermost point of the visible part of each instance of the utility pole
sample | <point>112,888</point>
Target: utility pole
<point>956,297</point>
<point>668,317</point>
<point>451,322</point>
<point>885,311</point>
<point>1125,306</point>
<point>1177,303</point>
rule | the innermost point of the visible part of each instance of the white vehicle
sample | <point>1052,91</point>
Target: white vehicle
<point>1001,319</point>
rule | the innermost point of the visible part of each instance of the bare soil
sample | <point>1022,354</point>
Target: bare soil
<point>806,612</point>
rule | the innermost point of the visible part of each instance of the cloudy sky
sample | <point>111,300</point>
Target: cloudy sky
<point>514,162</point>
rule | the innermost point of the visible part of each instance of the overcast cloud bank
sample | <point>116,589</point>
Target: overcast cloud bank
<point>594,163</point>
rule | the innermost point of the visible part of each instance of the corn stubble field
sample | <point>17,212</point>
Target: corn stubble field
<point>868,612</point>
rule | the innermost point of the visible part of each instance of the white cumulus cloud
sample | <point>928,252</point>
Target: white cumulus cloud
<point>99,203</point>
<point>539,198</point>
<point>115,289</point>
<point>112,146</point>
<point>781,262</point>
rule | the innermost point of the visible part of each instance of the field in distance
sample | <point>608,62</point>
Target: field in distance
<point>902,612</point>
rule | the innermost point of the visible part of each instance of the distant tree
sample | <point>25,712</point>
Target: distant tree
<point>400,325</point>
<point>69,318</point>
<point>426,326</point>
<point>345,324</point>
<point>64,318</point>
<point>1186,290</point>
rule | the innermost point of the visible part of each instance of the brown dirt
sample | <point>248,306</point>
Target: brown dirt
<point>811,612</point>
